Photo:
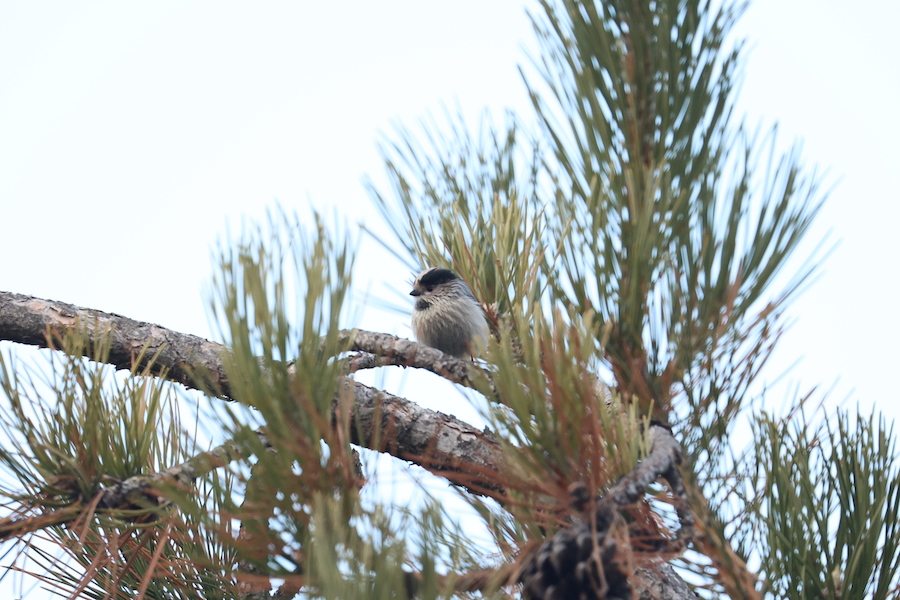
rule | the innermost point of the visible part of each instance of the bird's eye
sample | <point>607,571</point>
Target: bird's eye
<point>430,288</point>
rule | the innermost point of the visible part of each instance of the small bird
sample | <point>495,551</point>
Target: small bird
<point>447,315</point>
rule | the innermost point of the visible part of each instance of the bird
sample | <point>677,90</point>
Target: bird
<point>446,315</point>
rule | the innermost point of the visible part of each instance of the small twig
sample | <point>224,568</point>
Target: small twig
<point>361,361</point>
<point>392,350</point>
<point>137,490</point>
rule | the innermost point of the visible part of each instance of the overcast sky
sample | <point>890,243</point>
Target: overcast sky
<point>132,134</point>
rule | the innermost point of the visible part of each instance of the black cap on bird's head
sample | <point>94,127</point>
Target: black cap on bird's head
<point>431,278</point>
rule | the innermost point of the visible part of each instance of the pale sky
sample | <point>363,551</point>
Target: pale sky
<point>131,134</point>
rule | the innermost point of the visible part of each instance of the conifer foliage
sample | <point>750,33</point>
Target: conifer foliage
<point>635,249</point>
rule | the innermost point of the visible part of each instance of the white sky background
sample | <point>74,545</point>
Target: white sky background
<point>132,134</point>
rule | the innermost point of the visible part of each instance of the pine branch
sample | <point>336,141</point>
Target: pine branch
<point>441,443</point>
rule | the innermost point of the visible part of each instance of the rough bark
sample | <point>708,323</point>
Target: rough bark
<point>34,321</point>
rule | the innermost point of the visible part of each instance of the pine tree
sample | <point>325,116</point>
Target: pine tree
<point>633,248</point>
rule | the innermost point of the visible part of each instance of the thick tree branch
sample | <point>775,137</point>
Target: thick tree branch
<point>441,443</point>
<point>35,321</point>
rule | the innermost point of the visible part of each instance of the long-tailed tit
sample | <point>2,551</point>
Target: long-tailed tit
<point>446,315</point>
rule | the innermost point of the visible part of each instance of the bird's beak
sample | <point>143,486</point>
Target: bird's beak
<point>415,293</point>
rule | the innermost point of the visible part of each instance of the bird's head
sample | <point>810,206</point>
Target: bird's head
<point>434,281</point>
